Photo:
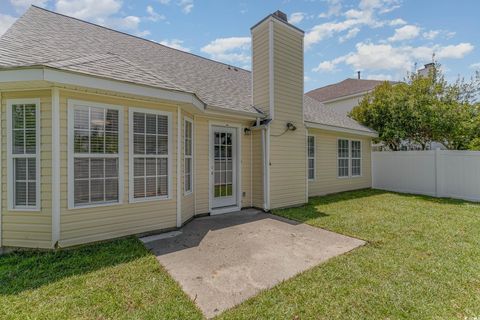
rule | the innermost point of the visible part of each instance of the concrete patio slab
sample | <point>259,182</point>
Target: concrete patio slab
<point>223,260</point>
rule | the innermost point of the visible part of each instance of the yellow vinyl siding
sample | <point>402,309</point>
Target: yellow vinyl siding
<point>260,67</point>
<point>31,229</point>
<point>81,225</point>
<point>287,151</point>
<point>326,169</point>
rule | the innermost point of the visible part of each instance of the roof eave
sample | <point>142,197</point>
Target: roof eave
<point>316,125</point>
<point>238,113</point>
<point>66,77</point>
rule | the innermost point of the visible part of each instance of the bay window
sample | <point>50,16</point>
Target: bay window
<point>23,145</point>
<point>150,151</point>
<point>95,154</point>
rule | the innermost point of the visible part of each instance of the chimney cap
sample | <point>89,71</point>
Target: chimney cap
<point>280,15</point>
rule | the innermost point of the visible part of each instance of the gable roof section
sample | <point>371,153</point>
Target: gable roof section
<point>316,112</point>
<point>42,37</point>
<point>343,88</point>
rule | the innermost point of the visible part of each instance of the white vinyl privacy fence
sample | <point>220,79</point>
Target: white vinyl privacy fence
<point>438,173</point>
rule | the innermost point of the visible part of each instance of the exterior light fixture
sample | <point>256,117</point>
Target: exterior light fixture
<point>291,126</point>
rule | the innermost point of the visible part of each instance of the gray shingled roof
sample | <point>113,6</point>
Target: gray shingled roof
<point>42,37</point>
<point>343,88</point>
<point>317,112</point>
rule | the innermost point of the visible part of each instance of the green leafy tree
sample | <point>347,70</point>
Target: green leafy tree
<point>423,109</point>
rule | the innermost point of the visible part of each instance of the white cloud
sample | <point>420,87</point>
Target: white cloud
<point>326,66</point>
<point>364,15</point>
<point>103,12</point>
<point>369,56</point>
<point>229,50</point>
<point>175,43</point>
<point>5,22</point>
<point>95,10</point>
<point>164,2</point>
<point>186,5</point>
<point>153,15</point>
<point>454,51</point>
<point>397,22</point>
<point>380,76</point>
<point>296,17</point>
<point>334,9</point>
<point>432,34</point>
<point>352,33</point>
<point>21,5</point>
<point>475,65</point>
<point>407,32</point>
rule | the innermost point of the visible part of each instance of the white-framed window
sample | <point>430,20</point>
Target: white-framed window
<point>188,156</point>
<point>343,158</point>
<point>356,158</point>
<point>23,153</point>
<point>349,158</point>
<point>95,154</point>
<point>150,151</point>
<point>311,157</point>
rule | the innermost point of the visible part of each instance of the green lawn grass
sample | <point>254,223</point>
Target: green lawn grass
<point>422,261</point>
<point>115,280</point>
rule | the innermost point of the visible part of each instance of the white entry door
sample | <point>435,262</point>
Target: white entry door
<point>223,167</point>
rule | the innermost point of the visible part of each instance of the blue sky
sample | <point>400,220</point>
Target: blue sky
<point>382,38</point>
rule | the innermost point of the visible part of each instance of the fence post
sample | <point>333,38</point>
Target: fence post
<point>437,172</point>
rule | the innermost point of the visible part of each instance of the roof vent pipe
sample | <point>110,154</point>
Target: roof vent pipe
<point>358,73</point>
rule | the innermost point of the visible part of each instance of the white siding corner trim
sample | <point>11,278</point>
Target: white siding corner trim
<point>55,166</point>
<point>179,167</point>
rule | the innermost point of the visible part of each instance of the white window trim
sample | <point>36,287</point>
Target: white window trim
<point>71,155</point>
<point>351,159</point>
<point>350,176</point>
<point>131,155</point>
<point>310,158</point>
<point>11,156</point>
<point>185,156</point>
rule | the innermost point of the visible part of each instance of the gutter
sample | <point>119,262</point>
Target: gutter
<point>314,125</point>
<point>67,77</point>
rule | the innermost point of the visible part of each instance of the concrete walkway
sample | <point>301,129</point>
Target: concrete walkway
<point>223,260</point>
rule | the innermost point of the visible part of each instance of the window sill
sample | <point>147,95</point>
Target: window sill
<point>89,206</point>
<point>140,200</point>
<point>186,194</point>
<point>25,209</point>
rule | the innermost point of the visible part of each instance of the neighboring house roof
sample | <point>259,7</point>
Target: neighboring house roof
<point>316,111</point>
<point>345,88</point>
<point>44,38</point>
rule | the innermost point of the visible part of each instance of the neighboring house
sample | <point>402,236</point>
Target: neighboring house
<point>344,95</point>
<point>104,134</point>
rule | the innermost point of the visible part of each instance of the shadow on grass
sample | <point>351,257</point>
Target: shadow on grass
<point>20,271</point>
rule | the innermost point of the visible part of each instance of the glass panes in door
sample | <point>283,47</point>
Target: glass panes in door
<point>223,164</point>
